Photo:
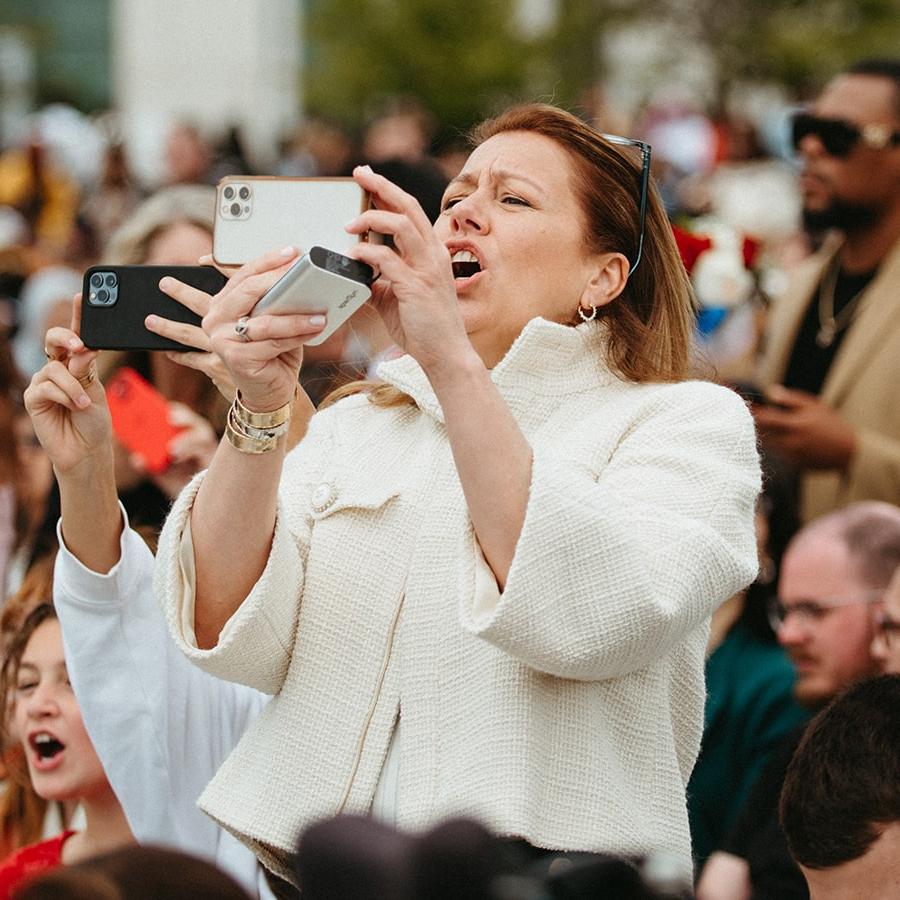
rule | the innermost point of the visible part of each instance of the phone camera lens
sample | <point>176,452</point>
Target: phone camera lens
<point>96,279</point>
<point>111,280</point>
<point>102,295</point>
<point>235,209</point>
<point>244,193</point>
<point>228,193</point>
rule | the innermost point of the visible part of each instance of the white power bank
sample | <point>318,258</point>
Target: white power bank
<point>320,281</point>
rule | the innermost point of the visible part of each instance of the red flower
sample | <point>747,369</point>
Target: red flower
<point>690,246</point>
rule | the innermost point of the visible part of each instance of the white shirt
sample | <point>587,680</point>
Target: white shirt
<point>160,726</point>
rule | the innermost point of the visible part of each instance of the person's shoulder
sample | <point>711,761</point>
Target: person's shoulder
<point>31,860</point>
<point>696,397</point>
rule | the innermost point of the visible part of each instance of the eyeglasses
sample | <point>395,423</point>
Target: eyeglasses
<point>839,137</point>
<point>809,612</point>
<point>645,149</point>
<point>886,628</point>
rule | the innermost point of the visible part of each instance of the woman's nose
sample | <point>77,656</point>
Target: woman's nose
<point>468,213</point>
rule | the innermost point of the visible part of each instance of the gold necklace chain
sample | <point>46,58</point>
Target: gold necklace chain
<point>829,323</point>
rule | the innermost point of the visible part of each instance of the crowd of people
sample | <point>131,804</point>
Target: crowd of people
<point>570,564</point>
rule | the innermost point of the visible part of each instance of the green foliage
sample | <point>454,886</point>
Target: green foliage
<point>461,59</point>
<point>464,59</point>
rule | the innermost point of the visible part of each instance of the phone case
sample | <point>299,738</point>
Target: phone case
<point>140,418</point>
<point>115,321</point>
<point>255,215</point>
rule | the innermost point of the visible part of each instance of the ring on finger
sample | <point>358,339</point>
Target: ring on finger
<point>240,328</point>
<point>89,377</point>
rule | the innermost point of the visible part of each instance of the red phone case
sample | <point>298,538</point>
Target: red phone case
<point>140,418</point>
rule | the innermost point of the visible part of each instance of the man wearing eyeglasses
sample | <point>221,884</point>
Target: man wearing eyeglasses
<point>832,350</point>
<point>833,577</point>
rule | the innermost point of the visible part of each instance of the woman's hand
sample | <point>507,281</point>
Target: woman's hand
<point>201,357</point>
<point>263,362</point>
<point>70,417</point>
<point>415,293</point>
<point>191,450</point>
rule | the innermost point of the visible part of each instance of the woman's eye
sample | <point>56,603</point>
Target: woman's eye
<point>449,203</point>
<point>515,201</point>
<point>25,687</point>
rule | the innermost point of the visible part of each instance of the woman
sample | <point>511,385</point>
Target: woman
<point>484,586</point>
<point>171,228</point>
<point>61,759</point>
<point>161,726</point>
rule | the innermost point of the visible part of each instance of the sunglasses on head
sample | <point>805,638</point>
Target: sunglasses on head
<point>839,137</point>
<point>645,151</point>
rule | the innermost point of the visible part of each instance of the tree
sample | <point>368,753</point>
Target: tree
<point>461,59</point>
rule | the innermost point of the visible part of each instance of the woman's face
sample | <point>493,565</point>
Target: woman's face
<point>62,761</point>
<point>181,244</point>
<point>512,214</point>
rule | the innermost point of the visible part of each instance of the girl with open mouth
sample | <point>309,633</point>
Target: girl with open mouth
<point>43,713</point>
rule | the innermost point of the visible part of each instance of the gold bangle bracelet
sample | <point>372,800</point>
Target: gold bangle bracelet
<point>246,444</point>
<point>266,420</point>
<point>256,434</point>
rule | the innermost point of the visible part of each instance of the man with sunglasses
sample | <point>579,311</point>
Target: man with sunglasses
<point>832,358</point>
<point>833,577</point>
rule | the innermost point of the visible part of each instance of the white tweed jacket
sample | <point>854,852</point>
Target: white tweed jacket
<point>568,709</point>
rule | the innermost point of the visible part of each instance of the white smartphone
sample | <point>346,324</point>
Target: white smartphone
<point>320,281</point>
<point>255,215</point>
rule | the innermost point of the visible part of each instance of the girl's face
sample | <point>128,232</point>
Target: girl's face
<point>62,761</point>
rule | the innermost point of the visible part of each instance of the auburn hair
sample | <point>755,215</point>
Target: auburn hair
<point>650,324</point>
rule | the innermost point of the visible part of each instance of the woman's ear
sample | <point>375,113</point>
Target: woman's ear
<point>607,280</point>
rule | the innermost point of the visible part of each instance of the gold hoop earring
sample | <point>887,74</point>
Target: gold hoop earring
<point>584,316</point>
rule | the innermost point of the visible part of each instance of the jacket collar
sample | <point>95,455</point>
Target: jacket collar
<point>547,362</point>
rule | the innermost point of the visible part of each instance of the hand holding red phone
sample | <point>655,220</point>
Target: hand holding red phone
<point>140,419</point>
<point>190,451</point>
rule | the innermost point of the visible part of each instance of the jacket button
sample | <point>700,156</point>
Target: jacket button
<point>323,496</point>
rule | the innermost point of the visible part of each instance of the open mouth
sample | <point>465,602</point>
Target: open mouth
<point>465,264</point>
<point>46,746</point>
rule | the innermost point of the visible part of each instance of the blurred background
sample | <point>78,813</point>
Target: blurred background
<point>103,102</point>
<point>267,67</point>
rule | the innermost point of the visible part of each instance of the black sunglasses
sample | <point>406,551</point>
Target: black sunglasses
<point>645,149</point>
<point>839,137</point>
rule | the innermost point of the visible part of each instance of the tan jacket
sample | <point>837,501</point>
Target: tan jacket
<point>566,710</point>
<point>863,384</point>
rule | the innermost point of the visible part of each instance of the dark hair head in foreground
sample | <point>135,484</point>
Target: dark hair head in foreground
<point>842,788</point>
<point>135,873</point>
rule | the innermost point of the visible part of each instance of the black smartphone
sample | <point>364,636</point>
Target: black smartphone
<point>115,300</point>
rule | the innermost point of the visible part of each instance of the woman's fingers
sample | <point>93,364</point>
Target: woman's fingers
<point>67,356</point>
<point>268,262</point>
<point>59,342</point>
<point>391,197</point>
<point>55,384</point>
<point>387,262</point>
<point>407,238</point>
<point>75,323</point>
<point>208,260</point>
<point>194,299</point>
<point>278,327</point>
<point>184,333</point>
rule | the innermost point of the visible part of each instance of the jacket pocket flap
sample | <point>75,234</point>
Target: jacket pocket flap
<point>331,496</point>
